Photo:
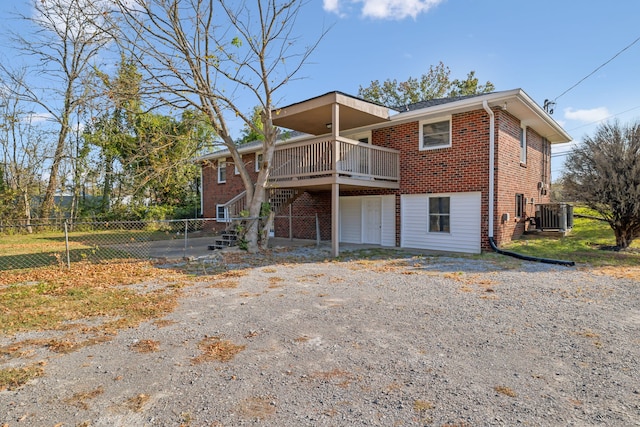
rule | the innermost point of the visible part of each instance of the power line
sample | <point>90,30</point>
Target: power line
<point>596,70</point>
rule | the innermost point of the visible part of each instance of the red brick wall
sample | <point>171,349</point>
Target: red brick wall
<point>463,167</point>
<point>303,218</point>
<point>517,178</point>
<point>459,168</point>
<point>215,193</point>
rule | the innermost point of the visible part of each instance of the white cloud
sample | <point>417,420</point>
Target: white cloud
<point>587,116</point>
<point>383,9</point>
<point>38,117</point>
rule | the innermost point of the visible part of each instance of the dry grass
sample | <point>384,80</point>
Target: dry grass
<point>335,376</point>
<point>224,284</point>
<point>136,403</point>
<point>505,390</point>
<point>215,349</point>
<point>257,407</point>
<point>146,346</point>
<point>13,378</point>
<point>51,299</point>
<point>619,272</point>
<point>422,406</point>
<point>80,399</point>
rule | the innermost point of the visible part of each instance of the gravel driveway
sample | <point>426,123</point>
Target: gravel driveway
<point>404,340</point>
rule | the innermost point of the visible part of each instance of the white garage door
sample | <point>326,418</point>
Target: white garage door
<point>462,233</point>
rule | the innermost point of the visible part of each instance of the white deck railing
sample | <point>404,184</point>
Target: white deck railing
<point>322,157</point>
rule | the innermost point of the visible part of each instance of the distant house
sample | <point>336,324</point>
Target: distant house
<point>445,174</point>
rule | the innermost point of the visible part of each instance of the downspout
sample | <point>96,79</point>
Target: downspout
<point>492,242</point>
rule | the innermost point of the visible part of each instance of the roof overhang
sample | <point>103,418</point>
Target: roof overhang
<point>516,102</point>
<point>314,116</point>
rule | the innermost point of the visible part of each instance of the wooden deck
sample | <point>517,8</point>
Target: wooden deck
<point>321,162</point>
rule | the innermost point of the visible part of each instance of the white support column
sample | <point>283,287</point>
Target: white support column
<point>335,219</point>
<point>335,187</point>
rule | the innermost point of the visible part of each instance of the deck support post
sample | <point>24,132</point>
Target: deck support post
<point>335,220</point>
<point>335,187</point>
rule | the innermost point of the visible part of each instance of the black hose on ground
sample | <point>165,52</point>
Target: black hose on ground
<point>530,258</point>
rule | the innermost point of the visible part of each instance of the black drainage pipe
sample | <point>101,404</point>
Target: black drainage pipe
<point>530,258</point>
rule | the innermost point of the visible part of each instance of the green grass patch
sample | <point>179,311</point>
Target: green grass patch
<point>13,378</point>
<point>584,244</point>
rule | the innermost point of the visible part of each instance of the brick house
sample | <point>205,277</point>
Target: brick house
<point>357,172</point>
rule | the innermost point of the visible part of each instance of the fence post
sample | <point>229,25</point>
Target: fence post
<point>66,244</point>
<point>186,239</point>
<point>317,231</point>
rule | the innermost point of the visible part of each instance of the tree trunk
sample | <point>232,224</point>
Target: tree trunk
<point>47,202</point>
<point>624,237</point>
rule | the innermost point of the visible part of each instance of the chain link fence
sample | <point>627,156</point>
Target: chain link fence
<point>42,243</point>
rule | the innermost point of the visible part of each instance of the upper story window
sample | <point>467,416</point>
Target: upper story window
<point>435,134</point>
<point>222,171</point>
<point>361,137</point>
<point>236,171</point>
<point>523,145</point>
<point>439,214</point>
<point>258,162</point>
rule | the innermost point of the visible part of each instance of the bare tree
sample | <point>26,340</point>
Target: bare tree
<point>64,42</point>
<point>604,173</point>
<point>23,149</point>
<point>217,56</point>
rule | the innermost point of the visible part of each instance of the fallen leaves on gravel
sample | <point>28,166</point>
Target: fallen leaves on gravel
<point>216,349</point>
<point>618,272</point>
<point>13,378</point>
<point>80,399</point>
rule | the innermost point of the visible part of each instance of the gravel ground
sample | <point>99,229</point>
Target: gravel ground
<point>401,341</point>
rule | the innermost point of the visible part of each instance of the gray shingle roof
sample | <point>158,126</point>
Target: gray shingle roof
<point>432,102</point>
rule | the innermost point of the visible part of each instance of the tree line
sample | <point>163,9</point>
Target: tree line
<point>117,142</point>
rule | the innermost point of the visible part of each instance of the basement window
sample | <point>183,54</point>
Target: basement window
<point>439,214</point>
<point>222,213</point>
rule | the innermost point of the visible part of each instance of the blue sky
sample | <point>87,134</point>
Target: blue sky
<point>544,47</point>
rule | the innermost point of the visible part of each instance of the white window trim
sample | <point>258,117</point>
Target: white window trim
<point>421,134</point>
<point>361,135</point>
<point>236,171</point>
<point>225,218</point>
<point>257,162</point>
<point>222,162</point>
<point>438,196</point>
<point>523,145</point>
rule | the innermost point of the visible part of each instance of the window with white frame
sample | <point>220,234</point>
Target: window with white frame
<point>520,206</point>
<point>523,145</point>
<point>235,168</point>
<point>258,161</point>
<point>439,214</point>
<point>222,171</point>
<point>222,213</point>
<point>361,137</point>
<point>435,134</point>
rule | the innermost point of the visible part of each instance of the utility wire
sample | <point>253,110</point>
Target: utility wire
<point>596,70</point>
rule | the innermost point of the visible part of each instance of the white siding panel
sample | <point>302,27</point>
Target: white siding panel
<point>465,223</point>
<point>350,219</point>
<point>388,237</point>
